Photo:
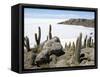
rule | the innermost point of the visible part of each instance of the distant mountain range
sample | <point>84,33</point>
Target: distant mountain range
<point>83,22</point>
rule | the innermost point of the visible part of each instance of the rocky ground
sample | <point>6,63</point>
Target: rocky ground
<point>51,55</point>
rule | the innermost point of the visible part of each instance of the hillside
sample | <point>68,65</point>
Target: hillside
<point>83,22</point>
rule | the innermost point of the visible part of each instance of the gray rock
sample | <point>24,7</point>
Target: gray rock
<point>54,61</point>
<point>50,47</point>
<point>54,47</point>
<point>42,57</point>
<point>88,58</point>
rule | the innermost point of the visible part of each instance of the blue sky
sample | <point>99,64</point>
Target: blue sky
<point>56,14</point>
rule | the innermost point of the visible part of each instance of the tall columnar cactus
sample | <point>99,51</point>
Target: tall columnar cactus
<point>78,48</point>
<point>85,42</point>
<point>47,37</point>
<point>92,44</point>
<point>89,42</point>
<point>66,45</point>
<point>50,34</point>
<point>37,39</point>
<point>69,46</point>
<point>26,43</point>
<point>73,46</point>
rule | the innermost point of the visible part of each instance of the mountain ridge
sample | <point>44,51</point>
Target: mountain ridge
<point>83,22</point>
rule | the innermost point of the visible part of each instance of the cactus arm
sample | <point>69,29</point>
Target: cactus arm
<point>37,39</point>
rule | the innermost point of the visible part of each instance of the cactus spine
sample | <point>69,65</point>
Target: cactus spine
<point>78,48</point>
<point>50,34</point>
<point>26,43</point>
<point>37,39</point>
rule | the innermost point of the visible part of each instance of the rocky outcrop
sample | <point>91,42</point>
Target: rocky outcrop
<point>50,47</point>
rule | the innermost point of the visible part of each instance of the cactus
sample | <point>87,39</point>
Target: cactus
<point>73,46</point>
<point>69,45</point>
<point>85,41</point>
<point>66,45</point>
<point>92,44</point>
<point>27,44</point>
<point>80,39</point>
<point>37,39</point>
<point>50,34</point>
<point>78,48</point>
<point>89,42</point>
<point>47,37</point>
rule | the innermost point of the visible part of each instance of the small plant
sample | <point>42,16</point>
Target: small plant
<point>36,49</point>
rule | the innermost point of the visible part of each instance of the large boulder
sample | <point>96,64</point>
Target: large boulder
<point>50,47</point>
